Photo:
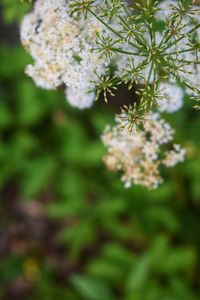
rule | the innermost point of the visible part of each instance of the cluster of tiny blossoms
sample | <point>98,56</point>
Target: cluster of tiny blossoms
<point>139,154</point>
<point>157,46</point>
<point>61,48</point>
<point>71,40</point>
<point>89,47</point>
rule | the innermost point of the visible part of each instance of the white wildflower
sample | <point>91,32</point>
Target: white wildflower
<point>139,154</point>
<point>61,47</point>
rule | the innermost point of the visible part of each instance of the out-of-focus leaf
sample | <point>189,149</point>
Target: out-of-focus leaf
<point>106,270</point>
<point>15,10</point>
<point>11,268</point>
<point>91,289</point>
<point>79,236</point>
<point>5,114</point>
<point>139,274</point>
<point>118,254</point>
<point>37,175</point>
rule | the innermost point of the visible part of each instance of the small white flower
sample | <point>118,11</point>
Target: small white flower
<point>172,97</point>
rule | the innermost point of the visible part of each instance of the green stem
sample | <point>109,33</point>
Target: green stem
<point>137,37</point>
<point>127,52</point>
<point>108,27</point>
<point>150,72</point>
<point>177,52</point>
<point>186,84</point>
<point>169,35</point>
<point>121,51</point>
<point>126,10</point>
<point>178,40</point>
<point>189,62</point>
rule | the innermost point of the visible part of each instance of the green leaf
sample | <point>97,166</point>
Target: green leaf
<point>79,236</point>
<point>139,274</point>
<point>106,270</point>
<point>91,288</point>
<point>5,114</point>
<point>38,172</point>
<point>30,106</point>
<point>118,254</point>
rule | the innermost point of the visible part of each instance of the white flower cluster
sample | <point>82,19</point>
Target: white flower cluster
<point>61,48</point>
<point>171,93</point>
<point>171,99</point>
<point>139,154</point>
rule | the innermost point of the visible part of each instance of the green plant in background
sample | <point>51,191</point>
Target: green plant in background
<point>14,10</point>
<point>95,240</point>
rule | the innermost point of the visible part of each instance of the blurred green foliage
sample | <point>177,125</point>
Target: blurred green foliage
<point>123,244</point>
<point>14,10</point>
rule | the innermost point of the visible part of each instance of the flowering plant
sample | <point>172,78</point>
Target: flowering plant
<point>91,47</point>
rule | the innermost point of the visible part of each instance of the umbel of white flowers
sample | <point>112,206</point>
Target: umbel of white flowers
<point>68,49</point>
<point>90,47</point>
<point>61,48</point>
<point>139,154</point>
